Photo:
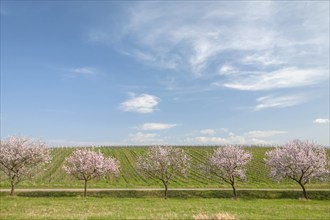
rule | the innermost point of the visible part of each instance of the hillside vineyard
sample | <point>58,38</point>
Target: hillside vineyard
<point>257,173</point>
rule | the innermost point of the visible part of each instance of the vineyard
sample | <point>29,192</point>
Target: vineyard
<point>55,177</point>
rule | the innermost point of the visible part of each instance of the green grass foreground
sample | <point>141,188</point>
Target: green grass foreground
<point>19,207</point>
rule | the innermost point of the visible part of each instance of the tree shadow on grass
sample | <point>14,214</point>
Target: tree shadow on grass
<point>184,194</point>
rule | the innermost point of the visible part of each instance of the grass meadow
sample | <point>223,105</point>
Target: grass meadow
<point>76,207</point>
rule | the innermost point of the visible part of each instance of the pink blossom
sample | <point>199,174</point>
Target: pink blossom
<point>300,161</point>
<point>227,163</point>
<point>86,165</point>
<point>164,163</point>
<point>22,157</point>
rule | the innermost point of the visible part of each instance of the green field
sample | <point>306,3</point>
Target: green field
<point>182,204</point>
<point>18,207</point>
<point>55,177</point>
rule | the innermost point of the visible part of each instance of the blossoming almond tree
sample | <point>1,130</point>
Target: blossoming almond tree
<point>164,163</point>
<point>21,158</point>
<point>299,161</point>
<point>86,165</point>
<point>228,163</point>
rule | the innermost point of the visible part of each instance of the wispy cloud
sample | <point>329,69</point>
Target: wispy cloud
<point>81,71</point>
<point>321,121</point>
<point>210,132</point>
<point>208,140</point>
<point>141,55</point>
<point>188,39</point>
<point>143,103</point>
<point>162,61</point>
<point>227,69</point>
<point>279,79</point>
<point>262,58</point>
<point>72,143</point>
<point>263,134</point>
<point>84,70</point>
<point>278,101</point>
<point>231,138</point>
<point>198,38</point>
<point>250,137</point>
<point>157,126</point>
<point>147,138</point>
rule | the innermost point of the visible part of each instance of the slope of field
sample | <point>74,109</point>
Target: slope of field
<point>55,177</point>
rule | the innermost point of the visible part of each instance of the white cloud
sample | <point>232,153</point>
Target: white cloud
<point>233,139</point>
<point>148,138</point>
<point>237,139</point>
<point>74,143</point>
<point>257,141</point>
<point>83,70</point>
<point>251,137</point>
<point>263,59</point>
<point>203,49</point>
<point>321,121</point>
<point>210,132</point>
<point>143,103</point>
<point>157,126</point>
<point>162,61</point>
<point>189,36</point>
<point>195,37</point>
<point>278,101</point>
<point>263,134</point>
<point>227,69</point>
<point>140,55</point>
<point>230,139</point>
<point>209,140</point>
<point>283,78</point>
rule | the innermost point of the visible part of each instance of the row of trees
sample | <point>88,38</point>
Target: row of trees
<point>300,161</point>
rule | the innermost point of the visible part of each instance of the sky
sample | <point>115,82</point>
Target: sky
<point>80,73</point>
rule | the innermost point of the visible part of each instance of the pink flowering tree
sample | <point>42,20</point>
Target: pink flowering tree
<point>228,164</point>
<point>85,164</point>
<point>164,163</point>
<point>22,158</point>
<point>300,161</point>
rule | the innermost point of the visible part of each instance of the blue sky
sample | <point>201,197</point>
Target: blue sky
<point>148,72</point>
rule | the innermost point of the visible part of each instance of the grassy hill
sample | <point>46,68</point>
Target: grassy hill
<point>55,177</point>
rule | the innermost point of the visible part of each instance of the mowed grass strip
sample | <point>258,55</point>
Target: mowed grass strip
<point>157,208</point>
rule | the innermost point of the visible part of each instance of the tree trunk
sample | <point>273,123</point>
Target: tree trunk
<point>12,188</point>
<point>304,190</point>
<point>234,190</point>
<point>166,188</point>
<point>85,191</point>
